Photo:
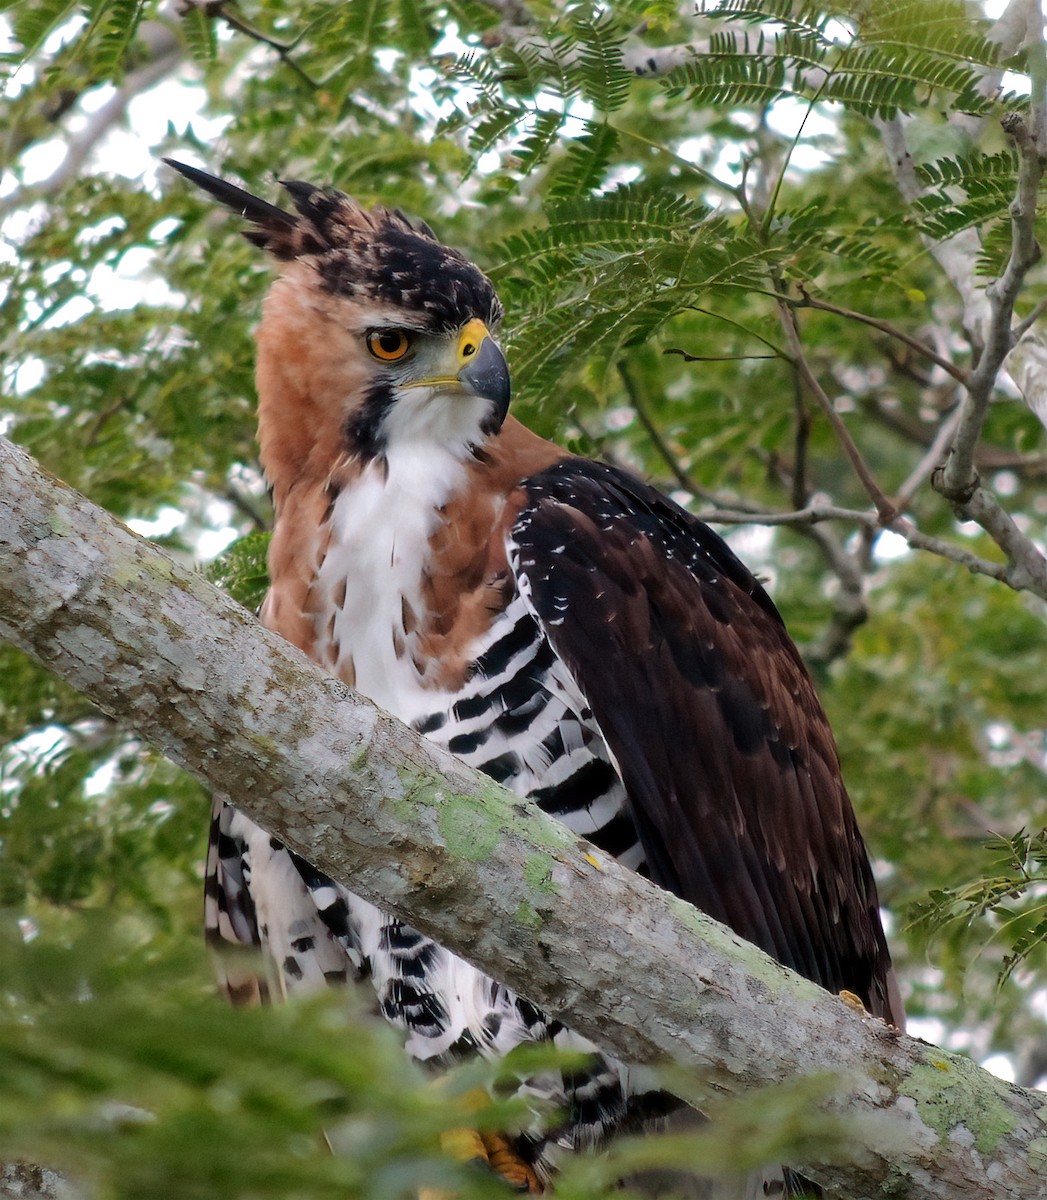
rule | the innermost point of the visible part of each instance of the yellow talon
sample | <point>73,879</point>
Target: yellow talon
<point>594,860</point>
<point>853,1002</point>
<point>504,1161</point>
<point>463,1144</point>
<point>467,1145</point>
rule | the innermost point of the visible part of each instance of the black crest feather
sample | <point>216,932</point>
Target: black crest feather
<point>258,211</point>
<point>379,253</point>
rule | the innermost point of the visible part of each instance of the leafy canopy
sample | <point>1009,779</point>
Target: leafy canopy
<point>657,196</point>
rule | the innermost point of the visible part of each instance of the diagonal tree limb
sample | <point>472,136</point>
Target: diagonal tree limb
<point>958,477</point>
<point>957,480</point>
<point>411,828</point>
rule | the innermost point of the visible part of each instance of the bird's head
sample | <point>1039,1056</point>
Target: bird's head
<point>375,336</point>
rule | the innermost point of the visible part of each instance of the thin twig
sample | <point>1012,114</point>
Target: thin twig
<point>803,433</point>
<point>251,507</point>
<point>792,333</point>
<point>958,373</point>
<point>934,458</point>
<point>283,49</point>
<point>676,468</point>
<point>923,434</point>
<point>1024,326</point>
<point>718,357</point>
<point>165,55</point>
<point>818,512</point>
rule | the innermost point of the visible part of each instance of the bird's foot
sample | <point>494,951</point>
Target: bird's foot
<point>496,1152</point>
<point>505,1161</point>
<point>853,1002</point>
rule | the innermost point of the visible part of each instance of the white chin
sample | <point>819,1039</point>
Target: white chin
<point>445,419</point>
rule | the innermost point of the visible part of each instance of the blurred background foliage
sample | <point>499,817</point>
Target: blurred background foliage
<point>642,184</point>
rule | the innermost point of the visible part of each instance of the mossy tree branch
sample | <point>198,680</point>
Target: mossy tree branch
<point>411,828</point>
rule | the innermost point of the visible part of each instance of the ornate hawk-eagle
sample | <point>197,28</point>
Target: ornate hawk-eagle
<point>551,620</point>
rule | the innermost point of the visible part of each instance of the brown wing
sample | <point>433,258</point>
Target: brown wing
<point>712,720</point>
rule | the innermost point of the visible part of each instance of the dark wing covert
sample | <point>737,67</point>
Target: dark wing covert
<point>711,718</point>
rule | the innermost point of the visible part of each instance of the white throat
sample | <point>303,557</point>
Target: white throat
<point>380,531</point>
<point>427,419</point>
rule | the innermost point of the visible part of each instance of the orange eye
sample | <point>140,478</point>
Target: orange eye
<point>388,345</point>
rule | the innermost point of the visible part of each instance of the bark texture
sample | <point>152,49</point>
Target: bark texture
<point>409,827</point>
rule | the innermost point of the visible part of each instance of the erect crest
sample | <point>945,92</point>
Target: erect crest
<point>378,254</point>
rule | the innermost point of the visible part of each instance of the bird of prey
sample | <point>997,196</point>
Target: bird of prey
<point>551,620</point>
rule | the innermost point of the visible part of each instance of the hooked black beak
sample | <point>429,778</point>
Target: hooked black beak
<point>487,375</point>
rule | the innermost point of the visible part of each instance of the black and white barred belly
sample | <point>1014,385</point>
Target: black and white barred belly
<point>520,719</point>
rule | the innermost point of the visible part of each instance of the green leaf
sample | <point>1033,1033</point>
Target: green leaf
<point>118,30</point>
<point>737,79</point>
<point>585,165</point>
<point>538,144</point>
<point>33,23</point>
<point>601,77</point>
<point>200,35</point>
<point>242,570</point>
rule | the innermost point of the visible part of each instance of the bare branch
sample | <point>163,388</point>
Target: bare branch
<point>411,828</point>
<point>813,514</point>
<point>959,478</point>
<point>28,1182</point>
<point>1027,567</point>
<point>788,321</point>
<point>989,312</point>
<point>1028,322</point>
<point>921,348</point>
<point>943,549</point>
<point>819,511</point>
<point>284,50</point>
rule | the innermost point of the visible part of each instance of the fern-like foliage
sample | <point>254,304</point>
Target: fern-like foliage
<point>119,24</point>
<point>599,72</point>
<point>807,235</point>
<point>612,270</point>
<point>609,271</point>
<point>533,85</point>
<point>965,192</point>
<point>1009,898</point>
<point>242,570</point>
<point>583,168</point>
<point>32,24</point>
<point>894,57</point>
<point>735,73</point>
<point>200,35</point>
